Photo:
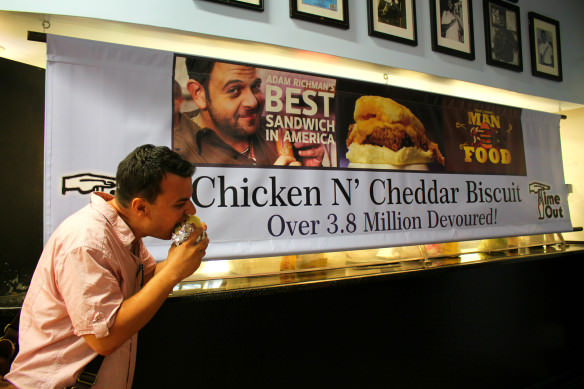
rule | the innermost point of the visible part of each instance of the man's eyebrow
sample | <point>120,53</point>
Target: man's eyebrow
<point>230,82</point>
<point>182,200</point>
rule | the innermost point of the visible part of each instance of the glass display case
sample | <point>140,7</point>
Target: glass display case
<point>234,274</point>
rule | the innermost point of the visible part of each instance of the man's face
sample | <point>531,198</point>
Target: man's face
<point>234,99</point>
<point>171,206</point>
<point>177,103</point>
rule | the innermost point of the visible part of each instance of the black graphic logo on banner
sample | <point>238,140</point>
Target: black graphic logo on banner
<point>85,183</point>
<point>548,205</point>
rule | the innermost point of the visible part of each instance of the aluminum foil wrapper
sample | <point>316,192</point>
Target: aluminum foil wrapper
<point>183,232</point>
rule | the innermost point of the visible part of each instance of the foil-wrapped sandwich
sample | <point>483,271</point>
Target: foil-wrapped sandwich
<point>182,231</point>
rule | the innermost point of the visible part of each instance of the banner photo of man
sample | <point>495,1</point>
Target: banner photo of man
<point>245,115</point>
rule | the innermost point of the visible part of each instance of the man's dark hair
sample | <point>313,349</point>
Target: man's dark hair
<point>200,70</point>
<point>176,91</point>
<point>142,171</point>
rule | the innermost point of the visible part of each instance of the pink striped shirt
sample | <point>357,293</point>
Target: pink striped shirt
<point>87,269</point>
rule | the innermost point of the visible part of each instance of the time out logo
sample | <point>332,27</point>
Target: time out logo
<point>549,206</point>
<point>486,139</point>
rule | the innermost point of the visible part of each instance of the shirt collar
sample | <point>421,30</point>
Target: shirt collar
<point>121,229</point>
<point>207,137</point>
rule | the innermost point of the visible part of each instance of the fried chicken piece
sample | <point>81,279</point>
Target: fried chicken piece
<point>381,121</point>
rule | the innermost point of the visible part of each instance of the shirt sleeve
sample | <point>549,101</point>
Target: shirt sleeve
<point>90,290</point>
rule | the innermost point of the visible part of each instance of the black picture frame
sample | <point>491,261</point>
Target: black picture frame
<point>335,17</point>
<point>545,47</point>
<point>452,28</point>
<point>255,5</point>
<point>394,20</point>
<point>503,35</point>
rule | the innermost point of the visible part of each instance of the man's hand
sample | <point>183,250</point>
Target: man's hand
<point>284,160</point>
<point>185,259</point>
<point>309,154</point>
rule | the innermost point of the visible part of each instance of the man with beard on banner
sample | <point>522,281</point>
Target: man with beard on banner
<point>96,285</point>
<point>226,128</point>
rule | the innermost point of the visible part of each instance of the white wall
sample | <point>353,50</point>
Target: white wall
<point>572,135</point>
<point>274,26</point>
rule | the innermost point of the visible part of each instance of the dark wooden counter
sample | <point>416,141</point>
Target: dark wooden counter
<point>512,323</point>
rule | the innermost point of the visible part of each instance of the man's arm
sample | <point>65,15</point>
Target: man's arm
<point>138,310</point>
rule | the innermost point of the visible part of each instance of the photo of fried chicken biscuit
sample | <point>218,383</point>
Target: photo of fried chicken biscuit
<point>387,134</point>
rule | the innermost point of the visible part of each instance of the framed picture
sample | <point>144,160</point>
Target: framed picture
<point>330,12</point>
<point>452,27</point>
<point>393,19</point>
<point>256,5</point>
<point>544,39</point>
<point>503,35</point>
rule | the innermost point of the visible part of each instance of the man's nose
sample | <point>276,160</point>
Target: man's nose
<point>190,209</point>
<point>250,100</point>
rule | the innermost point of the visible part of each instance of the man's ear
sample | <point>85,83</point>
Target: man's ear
<point>140,207</point>
<point>197,90</point>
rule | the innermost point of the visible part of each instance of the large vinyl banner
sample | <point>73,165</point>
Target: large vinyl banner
<point>289,162</point>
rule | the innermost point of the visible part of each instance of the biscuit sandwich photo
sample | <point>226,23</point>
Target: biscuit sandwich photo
<point>387,135</point>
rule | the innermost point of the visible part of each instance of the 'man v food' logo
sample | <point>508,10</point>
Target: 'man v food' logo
<point>486,139</point>
<point>548,205</point>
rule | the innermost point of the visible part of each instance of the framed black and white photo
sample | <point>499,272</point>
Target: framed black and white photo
<point>330,12</point>
<point>256,5</point>
<point>503,35</point>
<point>393,19</point>
<point>544,41</point>
<point>452,27</point>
